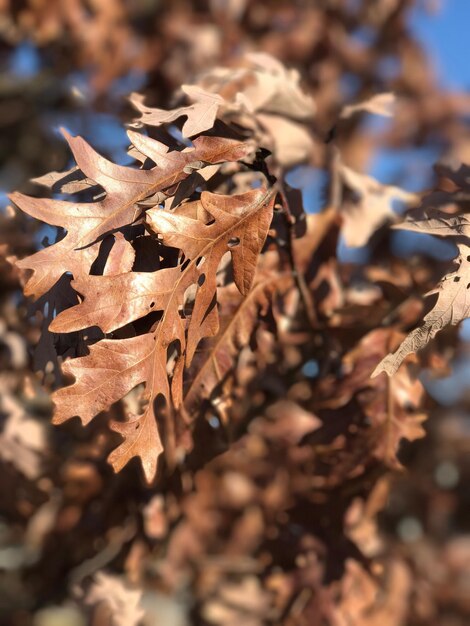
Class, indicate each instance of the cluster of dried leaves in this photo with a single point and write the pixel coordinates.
(155, 254)
(202, 327)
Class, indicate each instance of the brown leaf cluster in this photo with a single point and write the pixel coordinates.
(200, 325)
(173, 291)
(443, 215)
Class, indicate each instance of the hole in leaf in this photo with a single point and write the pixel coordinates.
(233, 242)
(152, 304)
(201, 280)
(456, 279)
(185, 264)
(133, 402)
(173, 357)
(188, 300)
(200, 261)
(159, 405)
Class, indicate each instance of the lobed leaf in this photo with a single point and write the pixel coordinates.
(236, 333)
(452, 306)
(239, 225)
(86, 223)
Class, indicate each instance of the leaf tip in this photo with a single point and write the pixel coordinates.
(378, 370)
(65, 133)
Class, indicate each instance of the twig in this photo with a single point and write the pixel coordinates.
(335, 186)
(299, 278)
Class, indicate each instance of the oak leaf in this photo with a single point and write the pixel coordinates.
(374, 207)
(235, 332)
(200, 115)
(261, 96)
(452, 306)
(239, 225)
(125, 187)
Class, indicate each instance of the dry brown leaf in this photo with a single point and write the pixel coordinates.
(374, 208)
(391, 406)
(87, 223)
(114, 367)
(452, 306)
(71, 181)
(123, 602)
(438, 223)
(262, 96)
(235, 333)
(121, 257)
(291, 141)
(201, 114)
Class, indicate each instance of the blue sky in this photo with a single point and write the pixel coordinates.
(446, 36)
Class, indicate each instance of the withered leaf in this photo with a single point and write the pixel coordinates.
(240, 226)
(121, 257)
(261, 96)
(125, 187)
(452, 306)
(104, 376)
(391, 406)
(200, 114)
(373, 209)
(440, 224)
(235, 333)
(114, 367)
(71, 181)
